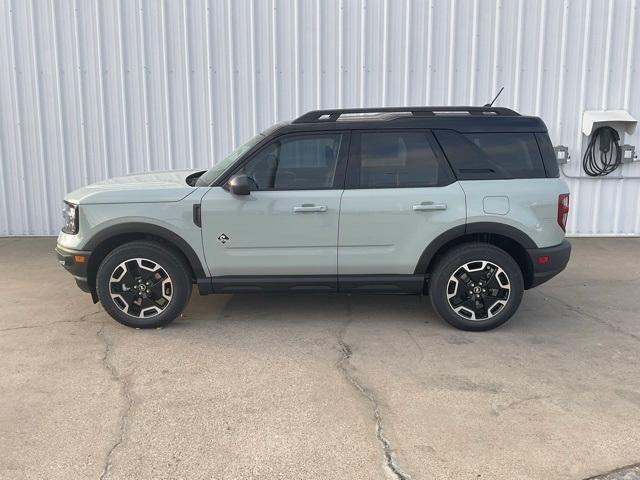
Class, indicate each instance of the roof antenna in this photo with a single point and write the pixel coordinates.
(494, 100)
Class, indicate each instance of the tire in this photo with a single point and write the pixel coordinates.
(143, 284)
(487, 297)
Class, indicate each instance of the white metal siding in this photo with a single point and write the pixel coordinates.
(90, 90)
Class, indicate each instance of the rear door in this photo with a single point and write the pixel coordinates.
(400, 195)
(288, 224)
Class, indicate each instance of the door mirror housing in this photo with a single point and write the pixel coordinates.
(239, 184)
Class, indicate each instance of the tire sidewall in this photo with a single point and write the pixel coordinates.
(174, 267)
(454, 260)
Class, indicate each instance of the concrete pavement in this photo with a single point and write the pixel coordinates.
(321, 386)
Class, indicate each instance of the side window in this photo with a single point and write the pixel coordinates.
(297, 162)
(396, 159)
(548, 155)
(486, 156)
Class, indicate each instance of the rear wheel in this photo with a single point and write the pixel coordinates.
(476, 286)
(142, 284)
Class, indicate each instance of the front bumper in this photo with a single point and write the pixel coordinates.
(76, 263)
(557, 260)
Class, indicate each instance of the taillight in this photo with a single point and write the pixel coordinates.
(563, 210)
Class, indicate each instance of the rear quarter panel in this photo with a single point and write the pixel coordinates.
(532, 206)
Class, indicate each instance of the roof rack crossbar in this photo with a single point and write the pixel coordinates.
(333, 115)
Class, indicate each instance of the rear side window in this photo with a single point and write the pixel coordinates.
(548, 155)
(396, 159)
(487, 156)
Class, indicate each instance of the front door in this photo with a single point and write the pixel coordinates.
(288, 224)
(400, 195)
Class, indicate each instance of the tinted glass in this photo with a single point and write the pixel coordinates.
(548, 155)
(297, 162)
(477, 156)
(221, 167)
(395, 159)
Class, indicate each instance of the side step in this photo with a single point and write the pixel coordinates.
(400, 284)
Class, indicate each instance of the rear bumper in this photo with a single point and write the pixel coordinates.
(558, 257)
(76, 263)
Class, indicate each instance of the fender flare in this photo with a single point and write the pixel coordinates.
(149, 229)
(512, 233)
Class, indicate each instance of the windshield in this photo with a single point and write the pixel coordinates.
(219, 168)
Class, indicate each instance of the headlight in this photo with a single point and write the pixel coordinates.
(70, 216)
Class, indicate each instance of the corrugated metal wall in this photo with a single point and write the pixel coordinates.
(90, 90)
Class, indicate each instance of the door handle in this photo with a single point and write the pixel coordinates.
(429, 206)
(310, 208)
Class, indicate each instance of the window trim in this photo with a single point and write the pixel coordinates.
(341, 165)
(352, 180)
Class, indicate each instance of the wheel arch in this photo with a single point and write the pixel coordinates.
(506, 237)
(112, 237)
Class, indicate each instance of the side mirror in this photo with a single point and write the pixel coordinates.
(239, 184)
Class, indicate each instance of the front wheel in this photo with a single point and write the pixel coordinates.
(476, 286)
(142, 284)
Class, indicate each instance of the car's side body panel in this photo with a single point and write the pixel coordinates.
(384, 231)
(531, 206)
(168, 220)
(271, 232)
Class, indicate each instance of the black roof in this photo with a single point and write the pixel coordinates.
(460, 118)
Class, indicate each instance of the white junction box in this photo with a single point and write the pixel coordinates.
(628, 153)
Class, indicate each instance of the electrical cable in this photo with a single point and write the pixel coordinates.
(609, 159)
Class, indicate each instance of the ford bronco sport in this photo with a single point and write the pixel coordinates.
(464, 204)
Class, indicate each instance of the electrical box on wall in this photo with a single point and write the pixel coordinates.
(629, 153)
(562, 154)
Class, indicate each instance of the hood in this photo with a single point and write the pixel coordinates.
(138, 188)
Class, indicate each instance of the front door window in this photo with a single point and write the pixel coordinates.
(296, 162)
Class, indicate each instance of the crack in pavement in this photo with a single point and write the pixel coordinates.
(126, 393)
(630, 472)
(497, 410)
(392, 468)
(391, 463)
(40, 325)
(602, 321)
(415, 342)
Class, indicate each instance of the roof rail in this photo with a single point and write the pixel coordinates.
(334, 114)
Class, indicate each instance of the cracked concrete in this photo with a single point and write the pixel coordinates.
(125, 409)
(630, 472)
(613, 326)
(80, 319)
(246, 386)
(391, 466)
